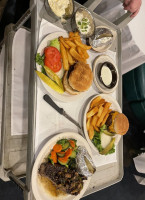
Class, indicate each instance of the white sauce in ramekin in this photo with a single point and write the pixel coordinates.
(106, 75)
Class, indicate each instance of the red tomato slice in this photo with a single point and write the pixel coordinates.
(52, 58)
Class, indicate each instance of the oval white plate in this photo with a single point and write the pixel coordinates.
(38, 190)
(65, 97)
(114, 106)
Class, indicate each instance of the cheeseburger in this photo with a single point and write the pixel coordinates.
(117, 123)
(78, 79)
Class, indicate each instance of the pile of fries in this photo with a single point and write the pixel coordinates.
(72, 49)
(97, 115)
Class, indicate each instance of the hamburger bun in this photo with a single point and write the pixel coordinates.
(78, 79)
(66, 85)
(81, 77)
(121, 124)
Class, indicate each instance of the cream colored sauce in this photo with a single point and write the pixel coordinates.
(106, 75)
(105, 140)
(59, 6)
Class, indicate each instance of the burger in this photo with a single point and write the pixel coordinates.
(78, 79)
(117, 123)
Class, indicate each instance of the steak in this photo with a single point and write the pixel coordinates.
(68, 180)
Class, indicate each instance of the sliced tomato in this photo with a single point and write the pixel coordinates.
(52, 58)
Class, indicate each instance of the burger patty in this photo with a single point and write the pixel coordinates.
(64, 178)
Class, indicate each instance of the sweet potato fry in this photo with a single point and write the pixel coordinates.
(64, 57)
(105, 110)
(64, 43)
(76, 34)
(88, 123)
(70, 44)
(72, 38)
(97, 99)
(76, 56)
(91, 132)
(70, 58)
(92, 112)
(83, 46)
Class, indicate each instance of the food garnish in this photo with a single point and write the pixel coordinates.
(52, 58)
(49, 82)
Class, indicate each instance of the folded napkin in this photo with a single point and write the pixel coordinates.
(20, 81)
(139, 162)
(48, 121)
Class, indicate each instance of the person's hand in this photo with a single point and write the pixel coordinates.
(133, 6)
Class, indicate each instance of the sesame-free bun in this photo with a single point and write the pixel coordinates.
(121, 124)
(66, 85)
(81, 77)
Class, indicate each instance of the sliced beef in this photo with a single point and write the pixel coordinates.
(64, 178)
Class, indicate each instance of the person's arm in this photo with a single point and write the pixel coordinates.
(133, 6)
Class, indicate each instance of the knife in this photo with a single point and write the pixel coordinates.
(60, 110)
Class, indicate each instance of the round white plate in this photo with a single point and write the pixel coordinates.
(65, 97)
(99, 60)
(38, 190)
(114, 106)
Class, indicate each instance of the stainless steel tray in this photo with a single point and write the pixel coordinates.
(106, 175)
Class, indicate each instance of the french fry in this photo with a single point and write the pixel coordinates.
(92, 112)
(105, 110)
(101, 102)
(70, 58)
(82, 52)
(100, 110)
(88, 123)
(72, 38)
(71, 34)
(91, 132)
(76, 34)
(104, 120)
(64, 57)
(83, 46)
(96, 128)
(64, 43)
(97, 99)
(75, 55)
(94, 120)
(70, 44)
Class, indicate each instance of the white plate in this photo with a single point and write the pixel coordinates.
(38, 190)
(114, 106)
(65, 97)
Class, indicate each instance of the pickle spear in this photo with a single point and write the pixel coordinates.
(53, 76)
(108, 133)
(49, 82)
(108, 148)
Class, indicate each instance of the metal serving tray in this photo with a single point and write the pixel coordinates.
(105, 175)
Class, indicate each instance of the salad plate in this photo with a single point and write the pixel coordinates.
(39, 190)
